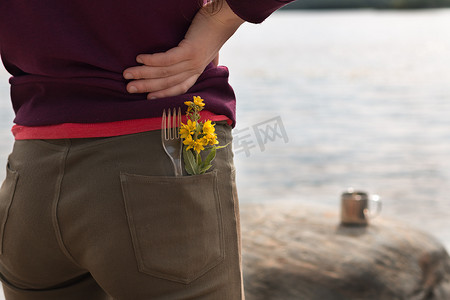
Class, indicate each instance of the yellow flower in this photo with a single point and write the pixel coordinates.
(208, 128)
(199, 145)
(198, 136)
(198, 101)
(189, 105)
(189, 142)
(211, 139)
(187, 129)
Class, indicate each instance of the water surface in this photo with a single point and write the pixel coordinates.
(365, 102)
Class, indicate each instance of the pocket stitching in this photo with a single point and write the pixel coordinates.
(125, 178)
(14, 179)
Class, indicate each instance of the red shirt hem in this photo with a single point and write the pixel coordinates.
(106, 129)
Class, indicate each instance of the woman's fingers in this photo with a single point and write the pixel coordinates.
(164, 59)
(151, 72)
(153, 85)
(175, 90)
(170, 71)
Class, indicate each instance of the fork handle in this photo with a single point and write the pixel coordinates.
(177, 167)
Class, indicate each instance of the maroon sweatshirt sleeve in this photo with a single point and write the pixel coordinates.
(256, 11)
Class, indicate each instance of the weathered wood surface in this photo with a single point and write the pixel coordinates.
(301, 252)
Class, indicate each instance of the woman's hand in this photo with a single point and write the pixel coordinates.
(175, 71)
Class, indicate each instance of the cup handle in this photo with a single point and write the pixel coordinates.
(370, 213)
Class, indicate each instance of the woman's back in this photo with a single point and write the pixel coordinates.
(67, 58)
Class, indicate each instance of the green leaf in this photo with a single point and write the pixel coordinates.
(199, 127)
(205, 168)
(220, 147)
(199, 159)
(189, 161)
(210, 157)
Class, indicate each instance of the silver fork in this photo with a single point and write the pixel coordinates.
(170, 138)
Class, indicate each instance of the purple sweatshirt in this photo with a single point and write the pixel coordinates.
(67, 57)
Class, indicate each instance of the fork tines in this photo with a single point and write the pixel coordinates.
(171, 139)
(171, 123)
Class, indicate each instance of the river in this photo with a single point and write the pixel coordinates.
(364, 99)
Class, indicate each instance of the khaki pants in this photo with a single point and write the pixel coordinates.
(105, 218)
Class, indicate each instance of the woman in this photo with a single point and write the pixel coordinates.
(90, 208)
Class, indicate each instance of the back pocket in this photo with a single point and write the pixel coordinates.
(6, 196)
(175, 224)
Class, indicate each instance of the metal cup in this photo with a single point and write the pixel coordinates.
(355, 208)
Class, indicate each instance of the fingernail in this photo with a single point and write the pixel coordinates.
(139, 60)
(132, 89)
(152, 98)
(128, 76)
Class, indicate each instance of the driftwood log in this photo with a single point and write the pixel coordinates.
(301, 252)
